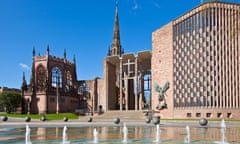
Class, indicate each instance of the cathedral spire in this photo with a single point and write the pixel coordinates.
(116, 45)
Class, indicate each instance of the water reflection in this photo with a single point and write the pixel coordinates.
(115, 135)
(41, 133)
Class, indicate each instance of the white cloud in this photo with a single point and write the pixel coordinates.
(24, 66)
(156, 4)
(136, 5)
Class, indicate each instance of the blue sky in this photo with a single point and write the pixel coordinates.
(83, 27)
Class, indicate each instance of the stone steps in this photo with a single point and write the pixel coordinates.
(123, 115)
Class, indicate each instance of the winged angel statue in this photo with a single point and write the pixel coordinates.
(161, 98)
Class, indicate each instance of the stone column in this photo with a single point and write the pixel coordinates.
(126, 93)
(120, 78)
(93, 101)
(136, 83)
(141, 90)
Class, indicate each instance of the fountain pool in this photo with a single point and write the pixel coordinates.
(112, 134)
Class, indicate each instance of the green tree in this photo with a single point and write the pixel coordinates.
(10, 100)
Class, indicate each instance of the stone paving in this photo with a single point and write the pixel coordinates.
(131, 118)
(83, 122)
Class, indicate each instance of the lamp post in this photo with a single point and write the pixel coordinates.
(28, 106)
(91, 96)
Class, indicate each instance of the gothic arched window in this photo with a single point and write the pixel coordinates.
(69, 80)
(84, 91)
(41, 78)
(56, 77)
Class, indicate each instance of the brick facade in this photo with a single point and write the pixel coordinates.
(199, 54)
(162, 67)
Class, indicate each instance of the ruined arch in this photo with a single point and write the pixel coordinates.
(68, 81)
(41, 78)
(57, 77)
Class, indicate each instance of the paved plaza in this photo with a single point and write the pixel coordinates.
(83, 122)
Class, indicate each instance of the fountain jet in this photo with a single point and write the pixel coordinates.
(27, 136)
(157, 139)
(64, 136)
(223, 128)
(125, 132)
(187, 138)
(95, 136)
(223, 125)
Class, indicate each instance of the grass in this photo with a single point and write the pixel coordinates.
(59, 116)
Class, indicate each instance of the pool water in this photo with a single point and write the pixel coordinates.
(109, 135)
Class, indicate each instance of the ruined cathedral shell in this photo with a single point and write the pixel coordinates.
(53, 86)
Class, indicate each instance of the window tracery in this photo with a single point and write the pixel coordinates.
(69, 81)
(41, 78)
(56, 77)
(84, 91)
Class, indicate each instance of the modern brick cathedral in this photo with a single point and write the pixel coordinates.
(199, 54)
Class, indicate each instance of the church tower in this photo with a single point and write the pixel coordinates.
(116, 48)
(124, 75)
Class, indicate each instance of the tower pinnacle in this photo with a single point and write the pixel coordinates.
(116, 44)
(33, 52)
(24, 83)
(65, 54)
(48, 50)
